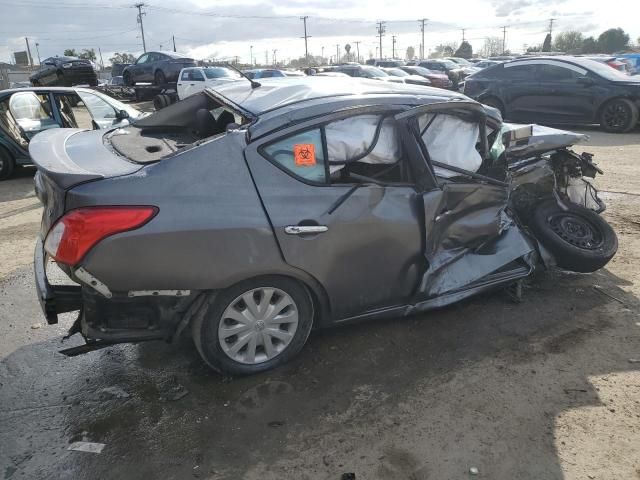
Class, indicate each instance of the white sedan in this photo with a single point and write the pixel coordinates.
(195, 79)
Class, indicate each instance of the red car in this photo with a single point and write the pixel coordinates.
(437, 79)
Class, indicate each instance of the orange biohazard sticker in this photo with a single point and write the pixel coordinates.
(304, 154)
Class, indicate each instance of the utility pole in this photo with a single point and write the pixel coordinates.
(376, 51)
(273, 58)
(422, 22)
(322, 55)
(266, 58)
(551, 20)
(306, 50)
(504, 39)
(381, 30)
(393, 46)
(29, 51)
(358, 50)
(337, 53)
(463, 30)
(101, 61)
(173, 37)
(250, 54)
(140, 14)
(38, 50)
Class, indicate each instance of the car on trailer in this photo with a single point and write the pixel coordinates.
(158, 68)
(64, 72)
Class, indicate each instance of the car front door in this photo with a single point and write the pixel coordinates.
(568, 94)
(195, 84)
(102, 113)
(140, 69)
(33, 112)
(343, 207)
(471, 243)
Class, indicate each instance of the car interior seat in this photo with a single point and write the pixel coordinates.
(206, 125)
(224, 119)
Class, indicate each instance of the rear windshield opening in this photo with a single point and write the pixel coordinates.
(173, 128)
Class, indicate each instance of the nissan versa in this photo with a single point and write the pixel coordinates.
(253, 213)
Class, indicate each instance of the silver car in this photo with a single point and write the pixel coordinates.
(251, 214)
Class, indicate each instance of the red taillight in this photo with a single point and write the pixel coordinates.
(79, 230)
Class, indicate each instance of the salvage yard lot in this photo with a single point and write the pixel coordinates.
(545, 389)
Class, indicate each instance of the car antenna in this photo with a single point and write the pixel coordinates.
(253, 83)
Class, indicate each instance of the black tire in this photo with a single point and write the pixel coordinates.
(126, 79)
(159, 102)
(7, 164)
(579, 239)
(159, 78)
(618, 116)
(495, 103)
(204, 328)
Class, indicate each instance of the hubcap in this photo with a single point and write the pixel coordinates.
(576, 230)
(258, 325)
(616, 115)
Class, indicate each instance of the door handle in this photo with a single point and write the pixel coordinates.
(305, 229)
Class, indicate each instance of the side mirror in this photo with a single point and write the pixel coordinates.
(122, 114)
(585, 81)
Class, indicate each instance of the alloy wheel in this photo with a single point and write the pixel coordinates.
(616, 115)
(258, 325)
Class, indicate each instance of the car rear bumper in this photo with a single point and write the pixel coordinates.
(54, 299)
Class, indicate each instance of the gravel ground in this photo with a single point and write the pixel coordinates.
(545, 389)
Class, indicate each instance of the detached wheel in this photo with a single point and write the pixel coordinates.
(7, 164)
(254, 326)
(618, 116)
(580, 239)
(159, 78)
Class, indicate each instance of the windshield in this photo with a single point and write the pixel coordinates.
(373, 72)
(449, 64)
(422, 71)
(396, 72)
(219, 72)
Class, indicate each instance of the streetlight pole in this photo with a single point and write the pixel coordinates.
(251, 55)
(38, 51)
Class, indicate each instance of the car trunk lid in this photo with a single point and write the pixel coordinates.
(68, 157)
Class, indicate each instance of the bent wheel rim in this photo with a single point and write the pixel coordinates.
(616, 115)
(576, 230)
(258, 325)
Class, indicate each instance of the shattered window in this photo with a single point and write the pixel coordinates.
(300, 154)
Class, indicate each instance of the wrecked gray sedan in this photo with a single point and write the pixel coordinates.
(251, 214)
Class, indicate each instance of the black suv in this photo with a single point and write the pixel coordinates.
(560, 89)
(64, 72)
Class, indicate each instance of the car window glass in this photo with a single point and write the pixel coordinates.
(73, 111)
(517, 72)
(301, 154)
(553, 73)
(197, 76)
(30, 106)
(450, 140)
(186, 75)
(98, 107)
(143, 59)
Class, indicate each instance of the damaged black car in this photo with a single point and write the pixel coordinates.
(254, 213)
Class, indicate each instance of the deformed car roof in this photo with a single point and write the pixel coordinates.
(277, 102)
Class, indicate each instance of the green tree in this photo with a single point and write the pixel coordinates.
(589, 45)
(492, 47)
(411, 52)
(546, 45)
(443, 50)
(569, 42)
(613, 40)
(534, 49)
(465, 50)
(70, 52)
(122, 58)
(88, 54)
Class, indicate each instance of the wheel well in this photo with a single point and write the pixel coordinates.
(7, 151)
(619, 97)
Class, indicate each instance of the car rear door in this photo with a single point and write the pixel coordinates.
(358, 236)
(471, 242)
(519, 90)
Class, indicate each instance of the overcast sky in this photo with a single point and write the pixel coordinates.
(222, 28)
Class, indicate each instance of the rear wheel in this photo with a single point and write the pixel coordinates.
(618, 116)
(7, 164)
(159, 78)
(580, 239)
(495, 103)
(254, 326)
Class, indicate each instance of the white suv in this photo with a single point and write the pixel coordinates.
(195, 79)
